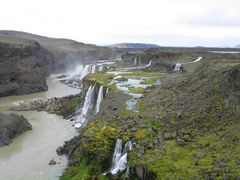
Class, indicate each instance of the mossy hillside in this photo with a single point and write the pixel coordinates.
(201, 141)
(137, 90)
(187, 128)
(86, 169)
(69, 106)
(95, 152)
(98, 140)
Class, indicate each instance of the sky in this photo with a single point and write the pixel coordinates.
(212, 23)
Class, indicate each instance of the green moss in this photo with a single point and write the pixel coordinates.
(103, 79)
(99, 140)
(149, 81)
(70, 105)
(125, 113)
(140, 134)
(140, 104)
(86, 169)
(154, 123)
(137, 90)
(144, 133)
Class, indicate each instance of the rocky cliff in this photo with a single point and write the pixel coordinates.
(188, 128)
(160, 60)
(67, 53)
(24, 66)
(11, 126)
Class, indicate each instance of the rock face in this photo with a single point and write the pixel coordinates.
(67, 53)
(157, 59)
(24, 66)
(11, 126)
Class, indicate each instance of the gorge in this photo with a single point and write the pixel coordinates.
(112, 113)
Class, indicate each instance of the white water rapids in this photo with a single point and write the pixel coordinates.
(99, 99)
(87, 106)
(119, 160)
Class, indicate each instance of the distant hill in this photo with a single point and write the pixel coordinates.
(238, 46)
(66, 52)
(134, 45)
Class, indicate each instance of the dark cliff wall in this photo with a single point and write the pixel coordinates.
(12, 126)
(161, 60)
(67, 53)
(24, 66)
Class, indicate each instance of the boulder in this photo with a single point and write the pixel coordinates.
(11, 126)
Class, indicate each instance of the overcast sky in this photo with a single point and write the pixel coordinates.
(163, 22)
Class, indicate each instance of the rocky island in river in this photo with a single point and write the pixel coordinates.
(119, 113)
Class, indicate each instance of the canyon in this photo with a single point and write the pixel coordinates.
(157, 113)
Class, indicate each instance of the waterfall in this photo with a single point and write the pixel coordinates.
(86, 71)
(88, 103)
(196, 60)
(100, 68)
(77, 72)
(149, 64)
(135, 61)
(93, 68)
(121, 165)
(117, 152)
(107, 91)
(119, 161)
(177, 67)
(99, 99)
(128, 147)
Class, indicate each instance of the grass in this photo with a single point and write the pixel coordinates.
(137, 90)
(103, 79)
(149, 81)
(125, 113)
(86, 169)
(70, 105)
(99, 140)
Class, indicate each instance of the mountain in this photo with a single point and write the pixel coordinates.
(134, 45)
(27, 59)
(66, 53)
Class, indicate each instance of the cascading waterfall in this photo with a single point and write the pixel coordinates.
(99, 99)
(88, 69)
(149, 64)
(177, 67)
(100, 68)
(77, 73)
(119, 161)
(93, 68)
(85, 72)
(88, 104)
(196, 60)
(135, 61)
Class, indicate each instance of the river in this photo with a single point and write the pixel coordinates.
(27, 157)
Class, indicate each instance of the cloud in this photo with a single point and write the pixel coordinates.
(165, 22)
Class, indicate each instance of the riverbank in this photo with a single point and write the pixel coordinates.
(27, 157)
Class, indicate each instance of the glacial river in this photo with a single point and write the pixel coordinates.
(27, 157)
